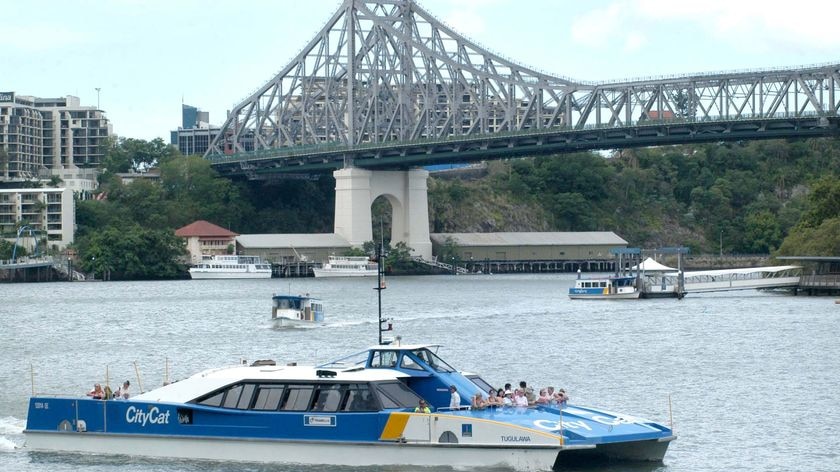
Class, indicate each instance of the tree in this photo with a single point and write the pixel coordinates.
(129, 154)
(824, 240)
(133, 253)
(823, 202)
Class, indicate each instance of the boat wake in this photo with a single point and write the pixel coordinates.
(11, 427)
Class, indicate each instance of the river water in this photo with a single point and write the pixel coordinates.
(752, 377)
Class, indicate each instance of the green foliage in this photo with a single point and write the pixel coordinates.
(129, 154)
(399, 258)
(823, 240)
(753, 193)
(823, 202)
(449, 253)
(6, 249)
(355, 251)
(133, 253)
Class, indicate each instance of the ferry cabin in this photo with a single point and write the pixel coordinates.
(297, 309)
(617, 287)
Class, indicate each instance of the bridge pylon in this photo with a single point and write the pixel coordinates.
(406, 191)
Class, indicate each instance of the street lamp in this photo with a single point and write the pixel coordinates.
(97, 97)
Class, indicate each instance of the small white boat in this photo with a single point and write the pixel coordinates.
(347, 266)
(296, 310)
(231, 267)
(605, 288)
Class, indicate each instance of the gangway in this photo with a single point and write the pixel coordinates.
(748, 278)
(441, 265)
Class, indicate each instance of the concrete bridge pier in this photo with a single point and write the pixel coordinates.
(406, 191)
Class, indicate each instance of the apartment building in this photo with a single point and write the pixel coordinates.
(50, 212)
(41, 137)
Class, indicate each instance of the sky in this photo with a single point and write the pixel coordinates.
(146, 57)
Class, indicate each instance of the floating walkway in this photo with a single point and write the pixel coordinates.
(667, 284)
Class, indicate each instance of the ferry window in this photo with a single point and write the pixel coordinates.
(297, 398)
(399, 393)
(245, 398)
(327, 398)
(603, 284)
(384, 359)
(434, 361)
(268, 397)
(409, 363)
(215, 400)
(232, 397)
(360, 398)
(482, 384)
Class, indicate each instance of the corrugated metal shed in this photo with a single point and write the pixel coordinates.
(325, 240)
(570, 238)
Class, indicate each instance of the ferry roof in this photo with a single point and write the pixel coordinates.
(212, 379)
(742, 271)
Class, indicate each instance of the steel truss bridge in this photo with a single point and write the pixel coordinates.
(385, 85)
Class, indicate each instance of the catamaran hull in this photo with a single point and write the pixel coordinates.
(312, 453)
(230, 275)
(612, 296)
(340, 273)
(294, 323)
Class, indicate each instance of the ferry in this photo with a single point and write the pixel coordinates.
(361, 410)
(605, 288)
(231, 267)
(296, 310)
(347, 266)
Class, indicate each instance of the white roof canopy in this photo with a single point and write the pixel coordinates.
(650, 265)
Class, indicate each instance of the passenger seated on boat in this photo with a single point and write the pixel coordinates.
(422, 407)
(561, 398)
(528, 392)
(543, 399)
(519, 398)
(97, 393)
(122, 392)
(494, 399)
(478, 402)
(507, 399)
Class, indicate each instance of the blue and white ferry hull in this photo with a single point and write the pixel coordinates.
(358, 414)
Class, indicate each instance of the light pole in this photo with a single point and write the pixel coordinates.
(97, 97)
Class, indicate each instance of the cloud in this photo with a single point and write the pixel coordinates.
(743, 25)
(466, 16)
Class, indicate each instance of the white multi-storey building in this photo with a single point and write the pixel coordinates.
(48, 212)
(41, 137)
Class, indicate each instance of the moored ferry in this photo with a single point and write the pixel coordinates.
(347, 266)
(231, 267)
(605, 288)
(357, 411)
(296, 310)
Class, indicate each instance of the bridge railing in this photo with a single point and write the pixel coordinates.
(820, 281)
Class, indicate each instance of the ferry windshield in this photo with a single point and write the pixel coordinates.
(287, 303)
(433, 360)
(396, 395)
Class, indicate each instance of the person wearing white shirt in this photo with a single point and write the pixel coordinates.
(454, 399)
(123, 392)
